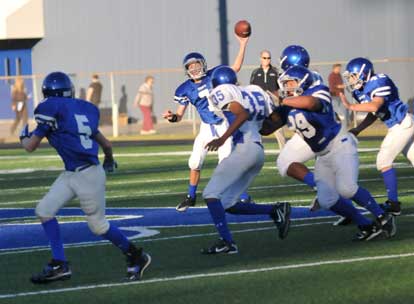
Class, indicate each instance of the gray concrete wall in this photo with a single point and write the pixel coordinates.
(108, 35)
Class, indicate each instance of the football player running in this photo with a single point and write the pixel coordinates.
(377, 94)
(195, 91)
(245, 108)
(71, 127)
(296, 151)
(308, 111)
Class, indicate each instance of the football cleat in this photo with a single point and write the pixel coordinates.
(390, 227)
(54, 271)
(221, 246)
(343, 221)
(185, 204)
(246, 200)
(368, 232)
(387, 222)
(392, 207)
(137, 262)
(281, 217)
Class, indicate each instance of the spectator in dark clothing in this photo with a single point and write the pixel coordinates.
(266, 77)
(94, 92)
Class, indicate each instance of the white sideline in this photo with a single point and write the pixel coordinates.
(213, 274)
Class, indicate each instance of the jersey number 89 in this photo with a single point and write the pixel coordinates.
(298, 122)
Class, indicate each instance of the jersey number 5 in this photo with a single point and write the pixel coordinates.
(84, 130)
(299, 122)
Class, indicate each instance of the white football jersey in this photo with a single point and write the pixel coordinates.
(256, 102)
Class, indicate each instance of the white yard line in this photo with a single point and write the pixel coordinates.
(172, 153)
(213, 274)
(147, 193)
(11, 251)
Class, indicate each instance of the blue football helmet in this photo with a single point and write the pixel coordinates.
(317, 78)
(294, 55)
(223, 75)
(303, 77)
(358, 71)
(195, 73)
(57, 84)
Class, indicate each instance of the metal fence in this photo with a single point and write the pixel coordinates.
(120, 89)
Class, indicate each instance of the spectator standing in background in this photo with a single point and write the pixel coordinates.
(19, 104)
(266, 77)
(145, 101)
(336, 86)
(94, 92)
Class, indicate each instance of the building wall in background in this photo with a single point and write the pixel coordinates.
(106, 35)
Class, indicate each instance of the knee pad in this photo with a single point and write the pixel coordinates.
(195, 162)
(207, 193)
(42, 211)
(383, 161)
(283, 164)
(347, 191)
(98, 226)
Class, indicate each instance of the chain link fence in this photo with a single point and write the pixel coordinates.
(119, 117)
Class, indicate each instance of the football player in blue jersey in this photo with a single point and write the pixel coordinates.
(71, 127)
(297, 151)
(378, 95)
(195, 91)
(245, 108)
(308, 111)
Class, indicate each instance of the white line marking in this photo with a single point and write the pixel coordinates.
(213, 274)
(136, 155)
(138, 194)
(10, 251)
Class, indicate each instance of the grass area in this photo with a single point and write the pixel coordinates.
(317, 263)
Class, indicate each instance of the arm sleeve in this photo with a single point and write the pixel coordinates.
(323, 96)
(180, 96)
(45, 116)
(383, 87)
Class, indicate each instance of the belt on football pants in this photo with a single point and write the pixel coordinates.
(81, 168)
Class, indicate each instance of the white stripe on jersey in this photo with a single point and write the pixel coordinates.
(181, 99)
(48, 120)
(322, 95)
(381, 91)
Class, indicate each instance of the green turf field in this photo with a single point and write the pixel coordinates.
(317, 263)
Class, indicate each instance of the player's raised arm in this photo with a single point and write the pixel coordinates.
(238, 62)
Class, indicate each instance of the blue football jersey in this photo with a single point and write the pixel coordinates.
(197, 94)
(70, 126)
(316, 128)
(393, 109)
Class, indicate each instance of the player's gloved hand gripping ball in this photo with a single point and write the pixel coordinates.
(109, 165)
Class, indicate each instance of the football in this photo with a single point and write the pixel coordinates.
(243, 29)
